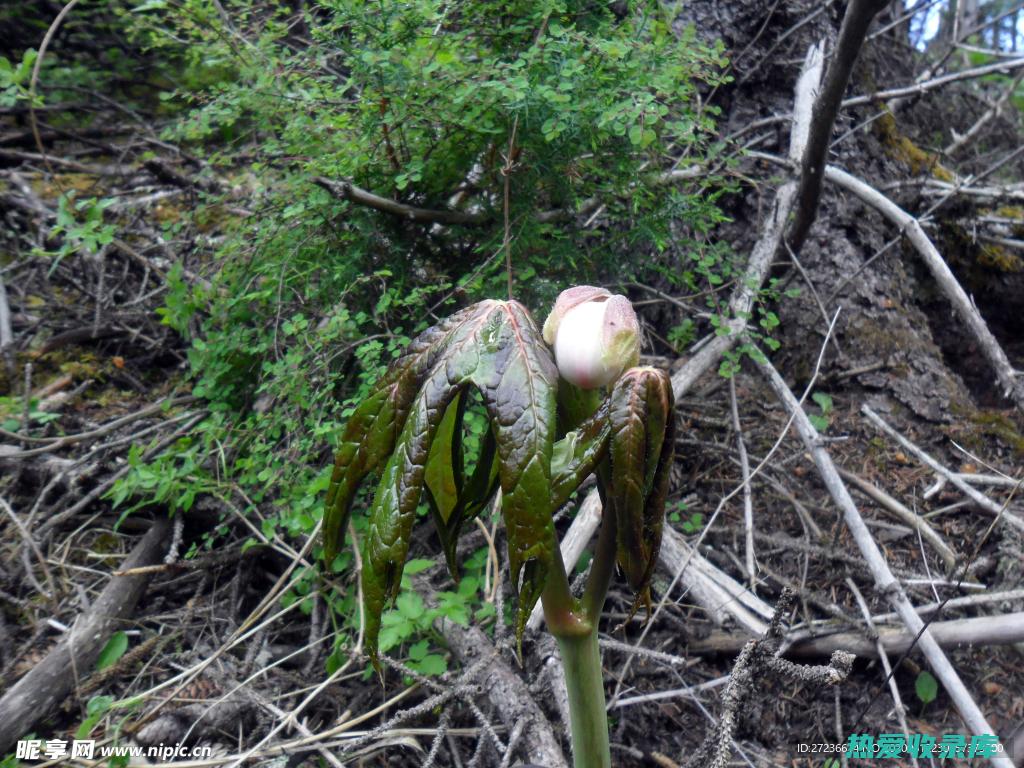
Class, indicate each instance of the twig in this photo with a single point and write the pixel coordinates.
(759, 659)
(887, 502)
(1004, 629)
(770, 241)
(1004, 67)
(858, 17)
(61, 442)
(748, 502)
(34, 81)
(348, 191)
(27, 536)
(885, 582)
(894, 689)
(49, 682)
(506, 172)
(960, 141)
(6, 335)
(978, 498)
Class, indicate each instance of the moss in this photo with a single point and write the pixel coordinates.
(980, 426)
(901, 148)
(996, 256)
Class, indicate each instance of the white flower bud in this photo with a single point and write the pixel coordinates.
(595, 335)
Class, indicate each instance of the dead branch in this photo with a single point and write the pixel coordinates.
(911, 227)
(1004, 629)
(770, 241)
(983, 501)
(509, 695)
(887, 502)
(885, 581)
(48, 683)
(759, 659)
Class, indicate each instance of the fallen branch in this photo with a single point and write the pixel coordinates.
(983, 501)
(885, 581)
(771, 239)
(917, 522)
(1006, 629)
(509, 695)
(47, 684)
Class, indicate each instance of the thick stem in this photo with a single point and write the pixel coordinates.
(584, 680)
(574, 624)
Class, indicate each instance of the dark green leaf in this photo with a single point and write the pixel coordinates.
(370, 434)
(518, 380)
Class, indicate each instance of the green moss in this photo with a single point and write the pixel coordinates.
(980, 426)
(901, 148)
(996, 256)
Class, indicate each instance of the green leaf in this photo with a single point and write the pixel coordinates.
(443, 475)
(518, 380)
(577, 455)
(417, 566)
(820, 423)
(824, 401)
(95, 709)
(430, 665)
(926, 686)
(112, 651)
(455, 359)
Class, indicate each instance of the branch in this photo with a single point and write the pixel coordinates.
(348, 191)
(885, 581)
(1001, 67)
(770, 241)
(911, 227)
(996, 510)
(1005, 629)
(859, 15)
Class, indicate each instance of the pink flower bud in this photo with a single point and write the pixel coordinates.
(595, 335)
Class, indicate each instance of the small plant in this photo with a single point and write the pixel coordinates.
(549, 428)
(926, 687)
(821, 421)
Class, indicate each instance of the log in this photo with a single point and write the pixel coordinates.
(509, 694)
(50, 682)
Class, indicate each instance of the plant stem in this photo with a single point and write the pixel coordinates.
(574, 624)
(584, 680)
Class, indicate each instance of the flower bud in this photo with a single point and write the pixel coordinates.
(595, 335)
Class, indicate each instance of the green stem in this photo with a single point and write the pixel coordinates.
(585, 681)
(574, 624)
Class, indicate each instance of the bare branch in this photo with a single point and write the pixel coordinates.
(348, 191)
